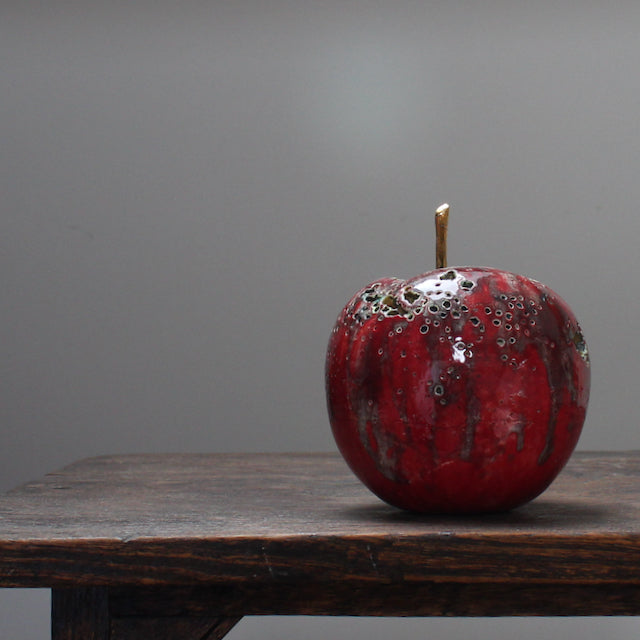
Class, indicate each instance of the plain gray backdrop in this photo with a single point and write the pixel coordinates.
(191, 190)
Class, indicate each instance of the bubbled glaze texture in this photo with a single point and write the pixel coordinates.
(463, 390)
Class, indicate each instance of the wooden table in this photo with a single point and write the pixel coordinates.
(183, 546)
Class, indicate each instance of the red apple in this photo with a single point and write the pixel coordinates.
(462, 390)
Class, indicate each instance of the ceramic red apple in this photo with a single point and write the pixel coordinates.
(462, 390)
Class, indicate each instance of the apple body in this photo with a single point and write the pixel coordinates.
(463, 390)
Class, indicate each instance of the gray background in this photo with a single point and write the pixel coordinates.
(191, 190)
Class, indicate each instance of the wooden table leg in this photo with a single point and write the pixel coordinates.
(79, 614)
(83, 613)
(171, 628)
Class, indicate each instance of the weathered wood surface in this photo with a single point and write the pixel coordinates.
(296, 521)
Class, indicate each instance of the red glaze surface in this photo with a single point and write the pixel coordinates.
(462, 390)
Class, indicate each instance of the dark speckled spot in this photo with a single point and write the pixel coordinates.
(411, 296)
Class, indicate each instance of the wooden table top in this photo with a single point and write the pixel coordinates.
(206, 519)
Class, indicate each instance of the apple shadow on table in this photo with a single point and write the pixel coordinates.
(540, 514)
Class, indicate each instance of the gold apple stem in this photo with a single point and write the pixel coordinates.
(442, 223)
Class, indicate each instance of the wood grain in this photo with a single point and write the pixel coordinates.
(292, 520)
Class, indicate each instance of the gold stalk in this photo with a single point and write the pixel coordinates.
(442, 223)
